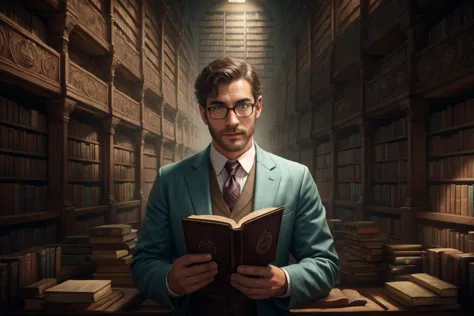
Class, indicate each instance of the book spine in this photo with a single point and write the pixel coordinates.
(407, 260)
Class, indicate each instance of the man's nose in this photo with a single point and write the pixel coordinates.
(232, 118)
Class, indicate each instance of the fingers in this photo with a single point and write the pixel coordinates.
(253, 293)
(188, 260)
(250, 282)
(264, 272)
(198, 269)
(206, 276)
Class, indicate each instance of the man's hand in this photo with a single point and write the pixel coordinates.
(191, 273)
(260, 282)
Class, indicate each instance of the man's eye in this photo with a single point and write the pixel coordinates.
(218, 108)
(243, 105)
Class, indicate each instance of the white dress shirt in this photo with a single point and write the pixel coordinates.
(246, 160)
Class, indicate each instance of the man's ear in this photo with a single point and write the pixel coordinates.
(203, 114)
(258, 107)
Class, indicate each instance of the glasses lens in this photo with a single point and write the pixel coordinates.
(244, 109)
(218, 112)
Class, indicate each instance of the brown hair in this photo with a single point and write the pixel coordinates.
(225, 70)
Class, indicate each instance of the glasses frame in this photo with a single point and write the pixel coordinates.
(227, 111)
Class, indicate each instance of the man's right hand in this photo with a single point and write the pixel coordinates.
(190, 273)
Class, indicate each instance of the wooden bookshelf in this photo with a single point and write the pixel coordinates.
(23, 161)
(85, 164)
(450, 157)
(348, 166)
(150, 165)
(124, 170)
(389, 171)
(323, 170)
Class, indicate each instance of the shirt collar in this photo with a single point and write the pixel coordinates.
(218, 160)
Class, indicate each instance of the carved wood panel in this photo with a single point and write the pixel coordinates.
(347, 107)
(439, 63)
(88, 88)
(90, 19)
(28, 58)
(179, 134)
(152, 121)
(152, 77)
(127, 54)
(168, 130)
(126, 108)
(387, 86)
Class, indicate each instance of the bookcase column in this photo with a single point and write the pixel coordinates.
(140, 173)
(417, 195)
(111, 125)
(364, 131)
(58, 115)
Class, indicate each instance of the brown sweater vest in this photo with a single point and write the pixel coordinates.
(237, 304)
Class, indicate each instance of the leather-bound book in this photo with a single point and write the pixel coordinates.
(414, 294)
(78, 291)
(251, 241)
(38, 288)
(110, 230)
(434, 284)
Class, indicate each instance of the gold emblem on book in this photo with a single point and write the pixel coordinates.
(207, 246)
(264, 242)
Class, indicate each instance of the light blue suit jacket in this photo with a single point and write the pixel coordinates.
(183, 188)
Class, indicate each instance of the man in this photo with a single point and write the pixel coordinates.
(232, 177)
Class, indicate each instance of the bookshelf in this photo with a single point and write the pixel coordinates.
(150, 164)
(324, 171)
(85, 165)
(348, 167)
(450, 174)
(390, 163)
(124, 174)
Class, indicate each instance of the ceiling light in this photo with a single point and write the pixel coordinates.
(237, 1)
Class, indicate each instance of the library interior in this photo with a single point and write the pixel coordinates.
(374, 97)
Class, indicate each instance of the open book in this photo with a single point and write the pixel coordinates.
(251, 241)
(336, 298)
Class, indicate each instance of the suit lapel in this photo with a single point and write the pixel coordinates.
(267, 180)
(198, 185)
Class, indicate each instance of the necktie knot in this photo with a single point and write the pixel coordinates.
(231, 167)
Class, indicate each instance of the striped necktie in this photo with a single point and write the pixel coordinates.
(231, 190)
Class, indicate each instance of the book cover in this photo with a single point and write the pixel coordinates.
(251, 241)
(434, 284)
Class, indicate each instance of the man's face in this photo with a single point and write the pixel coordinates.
(233, 133)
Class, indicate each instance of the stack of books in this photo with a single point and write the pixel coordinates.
(402, 260)
(112, 248)
(336, 226)
(362, 257)
(33, 294)
(80, 295)
(76, 250)
(423, 292)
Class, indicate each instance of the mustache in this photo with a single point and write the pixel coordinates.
(232, 131)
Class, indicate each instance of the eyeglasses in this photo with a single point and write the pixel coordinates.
(219, 112)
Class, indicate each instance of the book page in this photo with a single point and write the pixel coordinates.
(215, 218)
(256, 214)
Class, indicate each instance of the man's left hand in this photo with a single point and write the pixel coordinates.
(260, 282)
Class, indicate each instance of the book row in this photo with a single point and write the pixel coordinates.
(78, 171)
(390, 171)
(395, 129)
(82, 130)
(349, 173)
(124, 141)
(323, 148)
(323, 175)
(456, 19)
(352, 156)
(150, 162)
(451, 115)
(455, 199)
(26, 237)
(451, 143)
(25, 115)
(21, 140)
(23, 167)
(348, 191)
(26, 19)
(81, 150)
(451, 168)
(124, 156)
(389, 151)
(124, 191)
(16, 198)
(124, 173)
(389, 195)
(128, 216)
(443, 237)
(84, 195)
(390, 225)
(349, 141)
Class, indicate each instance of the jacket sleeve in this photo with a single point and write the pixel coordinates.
(155, 249)
(317, 264)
